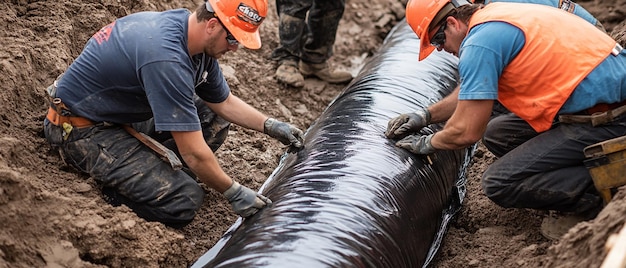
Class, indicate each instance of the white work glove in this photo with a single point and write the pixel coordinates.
(245, 201)
(417, 144)
(284, 132)
(406, 124)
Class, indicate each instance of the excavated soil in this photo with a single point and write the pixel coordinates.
(51, 216)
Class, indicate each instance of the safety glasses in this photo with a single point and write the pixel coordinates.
(229, 37)
(440, 37)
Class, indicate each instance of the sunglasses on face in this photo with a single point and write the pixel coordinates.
(440, 37)
(229, 37)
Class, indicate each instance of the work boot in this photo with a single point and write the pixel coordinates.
(556, 224)
(288, 73)
(322, 71)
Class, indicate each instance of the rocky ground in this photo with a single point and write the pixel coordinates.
(51, 216)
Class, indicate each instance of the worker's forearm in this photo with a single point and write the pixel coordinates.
(443, 110)
(209, 171)
(246, 116)
(451, 140)
(236, 111)
(465, 127)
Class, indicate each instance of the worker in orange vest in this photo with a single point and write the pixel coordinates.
(551, 70)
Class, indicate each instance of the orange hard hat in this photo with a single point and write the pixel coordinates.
(423, 15)
(242, 18)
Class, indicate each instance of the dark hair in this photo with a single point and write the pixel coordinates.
(203, 14)
(465, 12)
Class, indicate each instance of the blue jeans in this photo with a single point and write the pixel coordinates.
(130, 173)
(543, 170)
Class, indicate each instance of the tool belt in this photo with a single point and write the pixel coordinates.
(70, 122)
(598, 115)
(59, 115)
(55, 117)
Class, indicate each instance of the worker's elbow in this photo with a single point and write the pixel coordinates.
(190, 159)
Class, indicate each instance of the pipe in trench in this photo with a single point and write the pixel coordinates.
(351, 198)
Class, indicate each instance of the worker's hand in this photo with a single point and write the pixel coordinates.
(245, 201)
(285, 133)
(406, 124)
(417, 144)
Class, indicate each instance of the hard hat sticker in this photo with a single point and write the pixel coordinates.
(249, 15)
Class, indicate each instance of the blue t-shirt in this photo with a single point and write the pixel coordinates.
(489, 47)
(138, 67)
(567, 4)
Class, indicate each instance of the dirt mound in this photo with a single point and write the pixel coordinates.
(52, 216)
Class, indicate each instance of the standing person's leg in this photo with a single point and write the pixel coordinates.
(130, 173)
(322, 23)
(291, 29)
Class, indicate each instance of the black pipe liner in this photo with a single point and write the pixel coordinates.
(351, 198)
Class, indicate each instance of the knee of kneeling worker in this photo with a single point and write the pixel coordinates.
(496, 191)
(182, 208)
(492, 140)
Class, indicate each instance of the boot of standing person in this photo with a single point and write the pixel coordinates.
(288, 73)
(324, 72)
(307, 31)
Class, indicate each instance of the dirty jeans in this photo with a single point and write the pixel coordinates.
(543, 170)
(308, 38)
(132, 174)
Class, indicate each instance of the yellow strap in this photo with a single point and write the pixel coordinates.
(67, 128)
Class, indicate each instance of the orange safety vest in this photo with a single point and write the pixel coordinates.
(561, 49)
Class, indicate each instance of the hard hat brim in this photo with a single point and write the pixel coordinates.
(250, 40)
(425, 48)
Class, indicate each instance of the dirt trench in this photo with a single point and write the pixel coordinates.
(52, 216)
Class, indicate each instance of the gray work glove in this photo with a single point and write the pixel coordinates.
(285, 133)
(245, 201)
(406, 124)
(417, 144)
